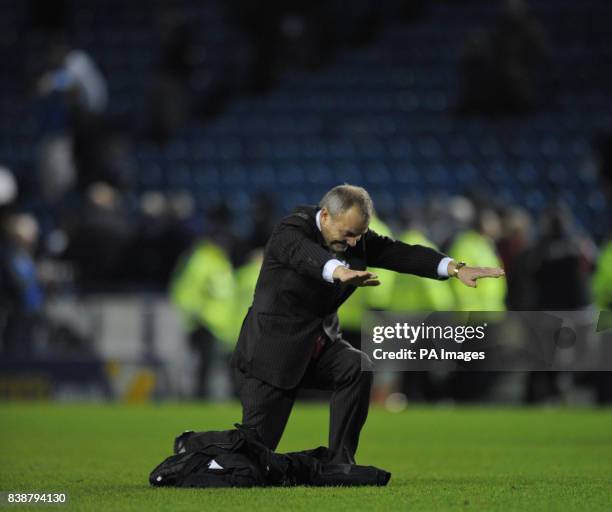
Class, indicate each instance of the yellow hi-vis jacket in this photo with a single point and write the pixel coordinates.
(246, 279)
(203, 288)
(413, 293)
(477, 250)
(602, 279)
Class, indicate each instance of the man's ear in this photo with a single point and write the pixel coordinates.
(324, 214)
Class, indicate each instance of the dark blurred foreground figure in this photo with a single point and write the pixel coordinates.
(290, 338)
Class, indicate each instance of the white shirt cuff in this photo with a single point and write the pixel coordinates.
(443, 266)
(328, 269)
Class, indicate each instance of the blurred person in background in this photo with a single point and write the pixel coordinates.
(602, 277)
(76, 147)
(169, 95)
(103, 154)
(560, 250)
(248, 253)
(501, 67)
(147, 249)
(220, 226)
(413, 294)
(602, 294)
(183, 227)
(21, 294)
(165, 229)
(56, 168)
(99, 236)
(263, 213)
(203, 288)
(281, 34)
(475, 240)
(57, 172)
(299, 35)
(74, 72)
(514, 249)
(261, 218)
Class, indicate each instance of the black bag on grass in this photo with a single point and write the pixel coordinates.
(238, 458)
(197, 469)
(314, 467)
(243, 440)
(225, 458)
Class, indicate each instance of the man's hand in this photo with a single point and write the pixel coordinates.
(355, 277)
(469, 275)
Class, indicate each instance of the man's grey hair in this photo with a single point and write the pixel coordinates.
(343, 197)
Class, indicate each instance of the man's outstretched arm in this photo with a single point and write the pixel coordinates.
(385, 252)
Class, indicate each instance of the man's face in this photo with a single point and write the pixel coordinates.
(343, 230)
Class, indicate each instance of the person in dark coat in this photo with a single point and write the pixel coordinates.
(290, 338)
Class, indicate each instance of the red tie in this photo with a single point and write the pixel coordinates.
(318, 346)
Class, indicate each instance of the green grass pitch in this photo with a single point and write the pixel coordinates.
(441, 458)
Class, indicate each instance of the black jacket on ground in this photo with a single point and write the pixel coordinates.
(292, 300)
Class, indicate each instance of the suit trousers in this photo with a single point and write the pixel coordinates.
(338, 368)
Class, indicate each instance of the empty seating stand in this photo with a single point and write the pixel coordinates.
(378, 115)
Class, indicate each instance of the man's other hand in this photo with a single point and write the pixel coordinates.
(355, 277)
(469, 275)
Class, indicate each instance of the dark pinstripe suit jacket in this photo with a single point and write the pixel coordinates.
(292, 299)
